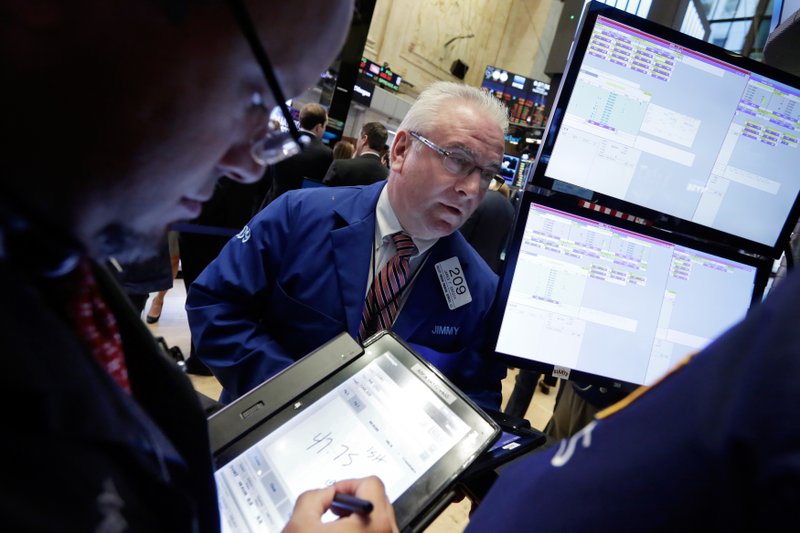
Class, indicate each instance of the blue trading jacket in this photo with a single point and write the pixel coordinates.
(714, 446)
(296, 276)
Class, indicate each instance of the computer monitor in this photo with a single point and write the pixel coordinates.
(523, 172)
(676, 129)
(595, 298)
(509, 168)
(363, 91)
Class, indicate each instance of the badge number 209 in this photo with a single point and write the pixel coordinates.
(454, 284)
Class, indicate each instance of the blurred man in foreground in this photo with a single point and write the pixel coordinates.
(118, 118)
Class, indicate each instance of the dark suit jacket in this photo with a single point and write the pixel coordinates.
(362, 170)
(311, 163)
(488, 228)
(142, 458)
(231, 206)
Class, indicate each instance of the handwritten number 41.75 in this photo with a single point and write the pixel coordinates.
(340, 451)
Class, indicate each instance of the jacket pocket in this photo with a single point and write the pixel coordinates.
(298, 326)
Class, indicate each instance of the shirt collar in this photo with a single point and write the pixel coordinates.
(386, 225)
(310, 133)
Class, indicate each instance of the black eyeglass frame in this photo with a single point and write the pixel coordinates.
(245, 23)
(444, 153)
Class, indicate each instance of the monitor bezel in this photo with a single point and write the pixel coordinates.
(670, 223)
(572, 205)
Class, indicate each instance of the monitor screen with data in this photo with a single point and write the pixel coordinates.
(586, 299)
(665, 122)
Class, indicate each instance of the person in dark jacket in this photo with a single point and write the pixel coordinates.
(366, 167)
(311, 163)
(109, 434)
(489, 226)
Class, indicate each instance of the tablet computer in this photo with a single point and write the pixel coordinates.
(345, 412)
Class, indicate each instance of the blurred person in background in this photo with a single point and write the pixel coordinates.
(343, 150)
(366, 166)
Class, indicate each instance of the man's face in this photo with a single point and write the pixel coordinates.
(361, 143)
(429, 201)
(181, 116)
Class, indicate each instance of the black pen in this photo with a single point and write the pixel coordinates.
(351, 504)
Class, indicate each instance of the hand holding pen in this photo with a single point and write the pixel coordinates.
(362, 505)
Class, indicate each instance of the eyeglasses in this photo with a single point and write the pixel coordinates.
(276, 145)
(457, 163)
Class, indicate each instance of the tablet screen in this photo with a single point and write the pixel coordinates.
(385, 419)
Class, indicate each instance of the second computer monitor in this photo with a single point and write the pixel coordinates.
(586, 299)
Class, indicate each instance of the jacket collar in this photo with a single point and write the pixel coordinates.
(360, 206)
(352, 247)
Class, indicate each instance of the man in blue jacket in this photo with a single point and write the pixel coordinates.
(300, 272)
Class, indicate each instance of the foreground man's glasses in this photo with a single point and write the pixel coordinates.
(277, 144)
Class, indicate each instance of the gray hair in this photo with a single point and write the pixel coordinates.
(425, 114)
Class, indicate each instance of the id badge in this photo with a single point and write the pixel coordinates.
(453, 282)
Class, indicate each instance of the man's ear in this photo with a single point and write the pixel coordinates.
(401, 148)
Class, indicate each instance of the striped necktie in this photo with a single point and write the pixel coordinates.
(94, 322)
(383, 298)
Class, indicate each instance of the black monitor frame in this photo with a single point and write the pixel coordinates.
(669, 223)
